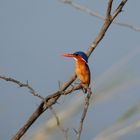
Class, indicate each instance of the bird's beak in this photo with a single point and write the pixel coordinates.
(68, 55)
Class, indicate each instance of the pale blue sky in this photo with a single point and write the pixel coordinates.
(34, 34)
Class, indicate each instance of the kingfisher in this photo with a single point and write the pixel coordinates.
(81, 68)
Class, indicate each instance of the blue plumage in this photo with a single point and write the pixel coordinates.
(82, 54)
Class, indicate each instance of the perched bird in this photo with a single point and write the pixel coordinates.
(81, 68)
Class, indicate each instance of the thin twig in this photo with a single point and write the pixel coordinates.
(105, 27)
(64, 131)
(108, 13)
(97, 15)
(21, 84)
(87, 98)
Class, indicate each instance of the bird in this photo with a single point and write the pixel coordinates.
(81, 68)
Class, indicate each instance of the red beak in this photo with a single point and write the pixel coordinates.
(68, 55)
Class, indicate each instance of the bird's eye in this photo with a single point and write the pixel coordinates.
(76, 54)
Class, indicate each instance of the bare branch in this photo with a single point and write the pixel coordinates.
(64, 131)
(97, 15)
(105, 27)
(44, 105)
(83, 8)
(128, 25)
(119, 8)
(89, 93)
(108, 13)
(20, 84)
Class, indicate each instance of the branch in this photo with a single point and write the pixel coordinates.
(44, 105)
(52, 99)
(97, 15)
(108, 13)
(20, 84)
(89, 93)
(104, 28)
(64, 131)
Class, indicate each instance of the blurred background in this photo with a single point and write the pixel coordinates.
(34, 34)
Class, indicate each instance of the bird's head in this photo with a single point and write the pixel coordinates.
(78, 56)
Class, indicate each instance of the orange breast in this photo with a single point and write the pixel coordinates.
(83, 72)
